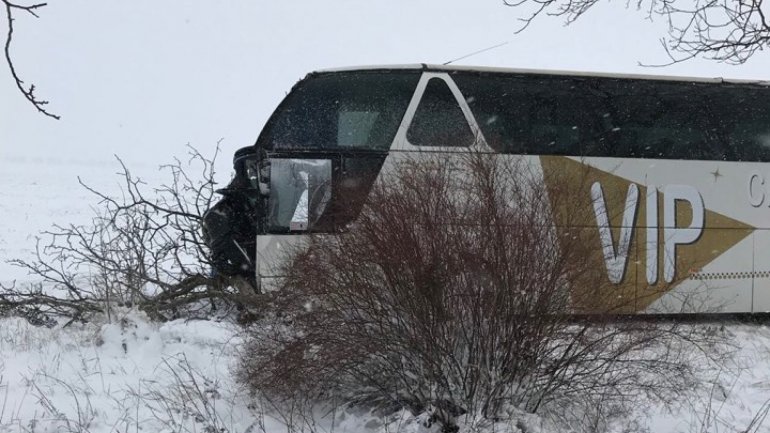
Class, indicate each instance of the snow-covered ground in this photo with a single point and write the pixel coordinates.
(120, 375)
(129, 374)
(730, 397)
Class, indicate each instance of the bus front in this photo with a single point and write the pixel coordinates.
(319, 154)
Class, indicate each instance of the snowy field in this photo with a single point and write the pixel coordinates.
(38, 192)
(127, 375)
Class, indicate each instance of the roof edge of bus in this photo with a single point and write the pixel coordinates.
(493, 69)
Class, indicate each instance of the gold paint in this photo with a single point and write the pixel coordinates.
(568, 183)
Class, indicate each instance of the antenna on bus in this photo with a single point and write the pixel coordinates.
(477, 52)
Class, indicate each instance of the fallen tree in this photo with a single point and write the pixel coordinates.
(143, 249)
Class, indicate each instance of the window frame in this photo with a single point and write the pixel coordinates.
(401, 143)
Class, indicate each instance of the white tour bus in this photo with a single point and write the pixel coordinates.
(662, 145)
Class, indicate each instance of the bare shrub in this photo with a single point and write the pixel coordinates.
(3, 394)
(465, 287)
(144, 248)
(190, 402)
(709, 408)
(759, 418)
(76, 415)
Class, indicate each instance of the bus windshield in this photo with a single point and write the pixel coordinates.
(341, 111)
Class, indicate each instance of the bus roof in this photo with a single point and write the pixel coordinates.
(452, 68)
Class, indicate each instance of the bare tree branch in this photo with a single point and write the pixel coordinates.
(730, 31)
(28, 92)
(143, 249)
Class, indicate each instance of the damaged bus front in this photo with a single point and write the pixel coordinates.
(311, 167)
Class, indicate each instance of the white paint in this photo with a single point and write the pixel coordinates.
(756, 187)
(615, 260)
(299, 220)
(652, 235)
(673, 235)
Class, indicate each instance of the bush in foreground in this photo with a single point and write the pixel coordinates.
(451, 296)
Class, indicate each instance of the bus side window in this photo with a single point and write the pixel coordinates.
(439, 120)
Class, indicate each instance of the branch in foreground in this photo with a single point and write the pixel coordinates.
(28, 92)
(722, 30)
(143, 248)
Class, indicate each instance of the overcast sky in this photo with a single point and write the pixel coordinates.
(142, 78)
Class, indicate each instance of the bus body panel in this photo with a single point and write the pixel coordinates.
(725, 269)
(761, 265)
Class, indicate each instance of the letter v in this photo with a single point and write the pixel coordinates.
(615, 260)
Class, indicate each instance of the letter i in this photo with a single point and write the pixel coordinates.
(652, 235)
